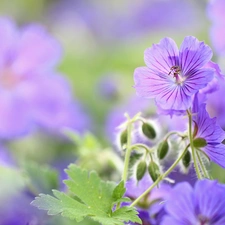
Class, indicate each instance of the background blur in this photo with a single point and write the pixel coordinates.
(102, 42)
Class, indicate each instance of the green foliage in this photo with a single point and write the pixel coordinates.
(92, 197)
(40, 178)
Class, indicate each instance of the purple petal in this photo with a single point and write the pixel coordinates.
(216, 153)
(167, 220)
(181, 205)
(197, 81)
(36, 50)
(168, 94)
(15, 119)
(207, 127)
(9, 35)
(173, 98)
(218, 77)
(149, 84)
(210, 205)
(54, 108)
(193, 55)
(161, 57)
(217, 33)
(215, 10)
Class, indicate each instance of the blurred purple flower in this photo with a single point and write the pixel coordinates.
(108, 87)
(31, 93)
(173, 76)
(5, 157)
(215, 12)
(206, 129)
(18, 211)
(216, 103)
(150, 214)
(203, 204)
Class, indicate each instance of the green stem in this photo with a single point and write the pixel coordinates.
(202, 166)
(139, 145)
(171, 133)
(192, 145)
(160, 177)
(128, 151)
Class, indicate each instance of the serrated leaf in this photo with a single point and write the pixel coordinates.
(93, 198)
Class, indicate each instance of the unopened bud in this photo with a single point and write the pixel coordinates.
(199, 142)
(141, 169)
(148, 130)
(186, 160)
(162, 149)
(153, 170)
(123, 138)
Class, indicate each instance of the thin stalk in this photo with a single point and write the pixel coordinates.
(192, 145)
(202, 166)
(128, 150)
(161, 177)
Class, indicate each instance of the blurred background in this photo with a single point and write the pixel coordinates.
(81, 56)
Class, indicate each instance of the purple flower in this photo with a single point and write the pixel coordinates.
(216, 105)
(31, 93)
(173, 76)
(150, 208)
(204, 204)
(209, 134)
(215, 12)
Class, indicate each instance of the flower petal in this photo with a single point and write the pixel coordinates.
(161, 57)
(216, 153)
(149, 84)
(197, 80)
(210, 205)
(169, 220)
(8, 34)
(180, 201)
(44, 54)
(193, 55)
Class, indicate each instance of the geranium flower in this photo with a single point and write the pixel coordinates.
(150, 209)
(32, 94)
(208, 135)
(204, 204)
(173, 76)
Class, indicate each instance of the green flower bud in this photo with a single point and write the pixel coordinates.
(141, 169)
(123, 138)
(199, 142)
(153, 170)
(186, 160)
(162, 149)
(148, 130)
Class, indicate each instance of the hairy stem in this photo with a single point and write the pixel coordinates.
(192, 145)
(161, 177)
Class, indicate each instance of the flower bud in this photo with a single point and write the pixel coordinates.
(141, 169)
(162, 149)
(199, 142)
(123, 138)
(148, 130)
(153, 170)
(186, 160)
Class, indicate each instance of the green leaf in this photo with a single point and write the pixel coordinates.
(119, 191)
(41, 178)
(93, 198)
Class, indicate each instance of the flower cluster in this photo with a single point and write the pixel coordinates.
(181, 81)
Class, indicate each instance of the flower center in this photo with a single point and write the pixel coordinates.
(8, 79)
(176, 72)
(203, 220)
